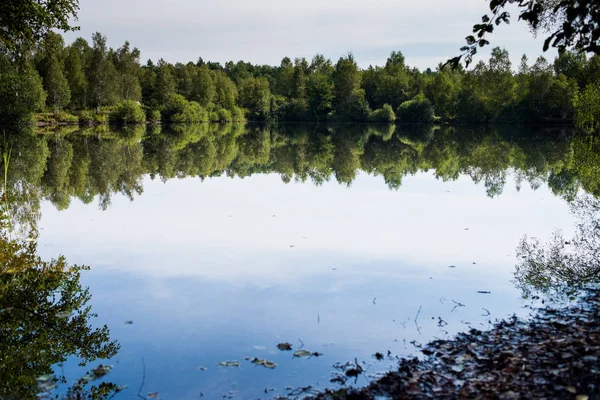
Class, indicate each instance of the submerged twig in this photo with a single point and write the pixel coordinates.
(417, 317)
(143, 379)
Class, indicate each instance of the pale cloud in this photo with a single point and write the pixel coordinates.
(265, 31)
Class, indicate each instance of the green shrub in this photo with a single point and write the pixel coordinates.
(45, 117)
(383, 114)
(100, 118)
(417, 110)
(65, 117)
(153, 115)
(86, 118)
(237, 115)
(297, 110)
(179, 110)
(213, 116)
(127, 112)
(224, 115)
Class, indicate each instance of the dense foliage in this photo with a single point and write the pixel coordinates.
(95, 163)
(23, 22)
(92, 81)
(568, 24)
(46, 318)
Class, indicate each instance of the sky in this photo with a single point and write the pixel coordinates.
(264, 31)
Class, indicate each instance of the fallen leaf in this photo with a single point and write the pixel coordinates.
(302, 353)
(229, 364)
(284, 346)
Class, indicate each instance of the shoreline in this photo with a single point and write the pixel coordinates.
(553, 355)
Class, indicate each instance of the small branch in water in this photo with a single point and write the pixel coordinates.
(457, 304)
(301, 342)
(487, 311)
(374, 298)
(143, 379)
(417, 317)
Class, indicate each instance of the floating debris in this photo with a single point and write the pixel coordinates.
(265, 363)
(229, 364)
(555, 355)
(451, 266)
(128, 322)
(102, 370)
(201, 368)
(483, 292)
(284, 346)
(302, 353)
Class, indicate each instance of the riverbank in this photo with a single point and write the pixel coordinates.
(554, 355)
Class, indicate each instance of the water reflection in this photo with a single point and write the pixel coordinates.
(45, 318)
(563, 266)
(67, 163)
(229, 267)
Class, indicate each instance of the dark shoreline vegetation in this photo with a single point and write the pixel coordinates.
(54, 83)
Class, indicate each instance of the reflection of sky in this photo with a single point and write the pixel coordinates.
(227, 268)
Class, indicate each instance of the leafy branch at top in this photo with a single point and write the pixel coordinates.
(571, 25)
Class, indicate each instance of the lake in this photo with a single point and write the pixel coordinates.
(216, 243)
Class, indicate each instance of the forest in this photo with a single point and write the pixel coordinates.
(92, 164)
(87, 84)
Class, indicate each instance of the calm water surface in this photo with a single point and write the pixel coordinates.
(226, 267)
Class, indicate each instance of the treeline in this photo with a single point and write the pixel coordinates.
(91, 83)
(96, 163)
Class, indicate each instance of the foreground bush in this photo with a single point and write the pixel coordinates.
(179, 110)
(127, 112)
(417, 110)
(383, 114)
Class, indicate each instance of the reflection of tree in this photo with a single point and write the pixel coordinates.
(44, 318)
(98, 162)
(562, 266)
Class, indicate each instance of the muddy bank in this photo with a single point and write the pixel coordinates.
(554, 355)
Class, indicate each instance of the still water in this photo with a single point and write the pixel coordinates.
(209, 246)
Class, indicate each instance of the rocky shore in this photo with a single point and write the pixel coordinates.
(555, 355)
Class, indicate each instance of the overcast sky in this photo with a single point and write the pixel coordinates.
(265, 31)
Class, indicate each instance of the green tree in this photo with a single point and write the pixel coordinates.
(203, 88)
(349, 102)
(103, 83)
(21, 91)
(127, 64)
(320, 88)
(164, 84)
(255, 96)
(57, 86)
(75, 65)
(225, 91)
(587, 107)
(24, 22)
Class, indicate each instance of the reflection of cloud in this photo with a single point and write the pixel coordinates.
(242, 229)
(265, 31)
